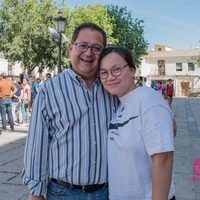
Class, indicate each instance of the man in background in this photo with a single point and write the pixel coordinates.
(36, 87)
(7, 90)
(48, 76)
(16, 100)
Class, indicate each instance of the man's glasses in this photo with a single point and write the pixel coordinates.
(115, 71)
(83, 47)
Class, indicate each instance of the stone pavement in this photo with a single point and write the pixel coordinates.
(11, 158)
(187, 148)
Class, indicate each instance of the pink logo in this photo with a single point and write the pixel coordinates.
(196, 166)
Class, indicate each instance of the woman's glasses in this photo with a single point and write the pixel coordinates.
(115, 71)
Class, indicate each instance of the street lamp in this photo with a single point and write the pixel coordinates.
(60, 22)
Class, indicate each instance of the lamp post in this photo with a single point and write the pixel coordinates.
(60, 22)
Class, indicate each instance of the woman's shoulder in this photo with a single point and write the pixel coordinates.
(27, 86)
(149, 96)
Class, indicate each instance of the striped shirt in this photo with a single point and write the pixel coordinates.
(67, 136)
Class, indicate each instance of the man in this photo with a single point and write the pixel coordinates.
(36, 86)
(7, 90)
(48, 76)
(16, 101)
(67, 142)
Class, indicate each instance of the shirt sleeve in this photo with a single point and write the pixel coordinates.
(13, 87)
(158, 129)
(34, 173)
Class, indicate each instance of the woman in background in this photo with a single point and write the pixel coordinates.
(25, 100)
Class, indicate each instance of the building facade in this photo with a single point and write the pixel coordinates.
(164, 63)
(8, 67)
(17, 69)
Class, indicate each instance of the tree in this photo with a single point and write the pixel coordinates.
(198, 60)
(24, 33)
(95, 13)
(129, 33)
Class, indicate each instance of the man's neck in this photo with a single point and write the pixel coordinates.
(89, 82)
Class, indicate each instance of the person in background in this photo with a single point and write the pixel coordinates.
(164, 90)
(7, 90)
(139, 82)
(160, 88)
(25, 100)
(66, 149)
(36, 87)
(153, 85)
(169, 91)
(140, 137)
(48, 76)
(16, 100)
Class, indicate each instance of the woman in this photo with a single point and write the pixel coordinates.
(140, 138)
(25, 100)
(169, 92)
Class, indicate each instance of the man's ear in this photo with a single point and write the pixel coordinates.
(69, 48)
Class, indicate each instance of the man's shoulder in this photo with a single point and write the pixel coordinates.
(17, 85)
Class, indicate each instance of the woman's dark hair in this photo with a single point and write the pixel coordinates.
(92, 26)
(123, 52)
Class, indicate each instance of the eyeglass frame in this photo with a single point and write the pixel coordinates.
(111, 71)
(89, 46)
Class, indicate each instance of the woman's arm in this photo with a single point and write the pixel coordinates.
(162, 175)
(32, 197)
(174, 127)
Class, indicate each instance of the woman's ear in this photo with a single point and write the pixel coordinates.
(133, 72)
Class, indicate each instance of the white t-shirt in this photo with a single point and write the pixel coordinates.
(142, 126)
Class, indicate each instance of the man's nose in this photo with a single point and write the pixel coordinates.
(89, 51)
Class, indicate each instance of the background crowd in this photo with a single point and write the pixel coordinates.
(165, 89)
(17, 104)
(16, 99)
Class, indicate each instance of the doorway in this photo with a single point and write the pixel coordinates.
(184, 89)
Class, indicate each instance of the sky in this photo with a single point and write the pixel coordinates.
(174, 23)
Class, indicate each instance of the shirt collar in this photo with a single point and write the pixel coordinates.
(77, 77)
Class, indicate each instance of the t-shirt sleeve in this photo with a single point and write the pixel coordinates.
(157, 123)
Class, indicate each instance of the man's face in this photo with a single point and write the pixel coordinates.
(9, 79)
(86, 63)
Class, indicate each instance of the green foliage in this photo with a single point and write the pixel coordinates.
(129, 32)
(95, 13)
(24, 34)
(198, 61)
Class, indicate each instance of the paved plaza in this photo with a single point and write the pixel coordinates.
(187, 149)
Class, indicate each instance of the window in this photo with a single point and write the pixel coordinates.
(190, 66)
(161, 67)
(178, 66)
(10, 68)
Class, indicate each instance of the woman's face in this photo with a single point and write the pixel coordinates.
(24, 82)
(120, 84)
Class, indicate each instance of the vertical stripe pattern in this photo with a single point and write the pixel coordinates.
(67, 136)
